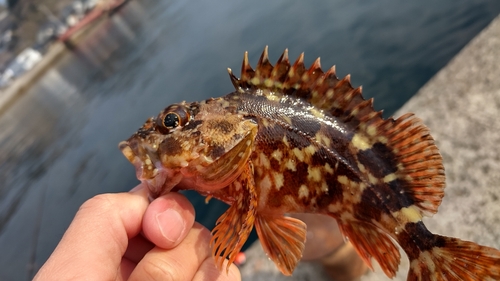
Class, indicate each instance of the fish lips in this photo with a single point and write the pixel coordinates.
(158, 179)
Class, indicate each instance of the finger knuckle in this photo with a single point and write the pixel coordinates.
(100, 201)
(156, 270)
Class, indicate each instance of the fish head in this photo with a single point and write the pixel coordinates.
(200, 146)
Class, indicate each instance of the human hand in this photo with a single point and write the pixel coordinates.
(105, 242)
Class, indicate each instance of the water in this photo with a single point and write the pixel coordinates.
(59, 140)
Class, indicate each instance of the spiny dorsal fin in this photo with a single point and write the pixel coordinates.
(420, 172)
(322, 89)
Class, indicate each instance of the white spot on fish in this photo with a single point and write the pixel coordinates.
(343, 180)
(287, 119)
(277, 154)
(299, 154)
(371, 130)
(290, 165)
(237, 185)
(310, 150)
(390, 177)
(409, 214)
(328, 169)
(314, 174)
(278, 180)
(303, 191)
(264, 161)
(265, 183)
(272, 97)
(322, 139)
(361, 142)
(317, 113)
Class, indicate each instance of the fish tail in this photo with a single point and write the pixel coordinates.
(452, 259)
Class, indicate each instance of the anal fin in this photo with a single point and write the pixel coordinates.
(370, 242)
(283, 240)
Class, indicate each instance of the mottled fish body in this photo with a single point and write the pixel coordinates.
(297, 140)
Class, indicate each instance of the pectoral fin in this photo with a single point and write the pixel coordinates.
(283, 240)
(234, 226)
(226, 168)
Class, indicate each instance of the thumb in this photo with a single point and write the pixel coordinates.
(168, 219)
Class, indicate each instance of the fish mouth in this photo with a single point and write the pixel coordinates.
(142, 159)
(148, 168)
(127, 151)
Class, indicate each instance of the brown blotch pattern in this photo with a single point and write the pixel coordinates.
(371, 159)
(171, 146)
(216, 151)
(417, 239)
(400, 187)
(370, 207)
(223, 126)
(192, 125)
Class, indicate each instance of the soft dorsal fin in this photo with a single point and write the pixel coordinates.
(420, 173)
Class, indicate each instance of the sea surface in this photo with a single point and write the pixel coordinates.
(58, 141)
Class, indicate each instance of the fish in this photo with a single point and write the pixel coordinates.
(291, 139)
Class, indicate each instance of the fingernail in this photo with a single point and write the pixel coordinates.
(171, 224)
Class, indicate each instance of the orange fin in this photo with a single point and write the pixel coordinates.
(234, 226)
(283, 240)
(413, 172)
(420, 171)
(371, 242)
(323, 90)
(456, 260)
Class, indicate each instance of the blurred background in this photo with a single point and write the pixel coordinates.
(78, 76)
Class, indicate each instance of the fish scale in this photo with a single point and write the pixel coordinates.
(296, 140)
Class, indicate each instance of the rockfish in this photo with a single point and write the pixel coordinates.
(297, 140)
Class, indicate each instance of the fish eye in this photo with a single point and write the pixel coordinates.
(173, 117)
(171, 120)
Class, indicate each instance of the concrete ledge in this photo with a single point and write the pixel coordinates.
(461, 106)
(20, 85)
(56, 51)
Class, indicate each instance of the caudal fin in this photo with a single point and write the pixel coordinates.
(452, 259)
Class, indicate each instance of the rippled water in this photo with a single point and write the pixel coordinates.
(59, 140)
